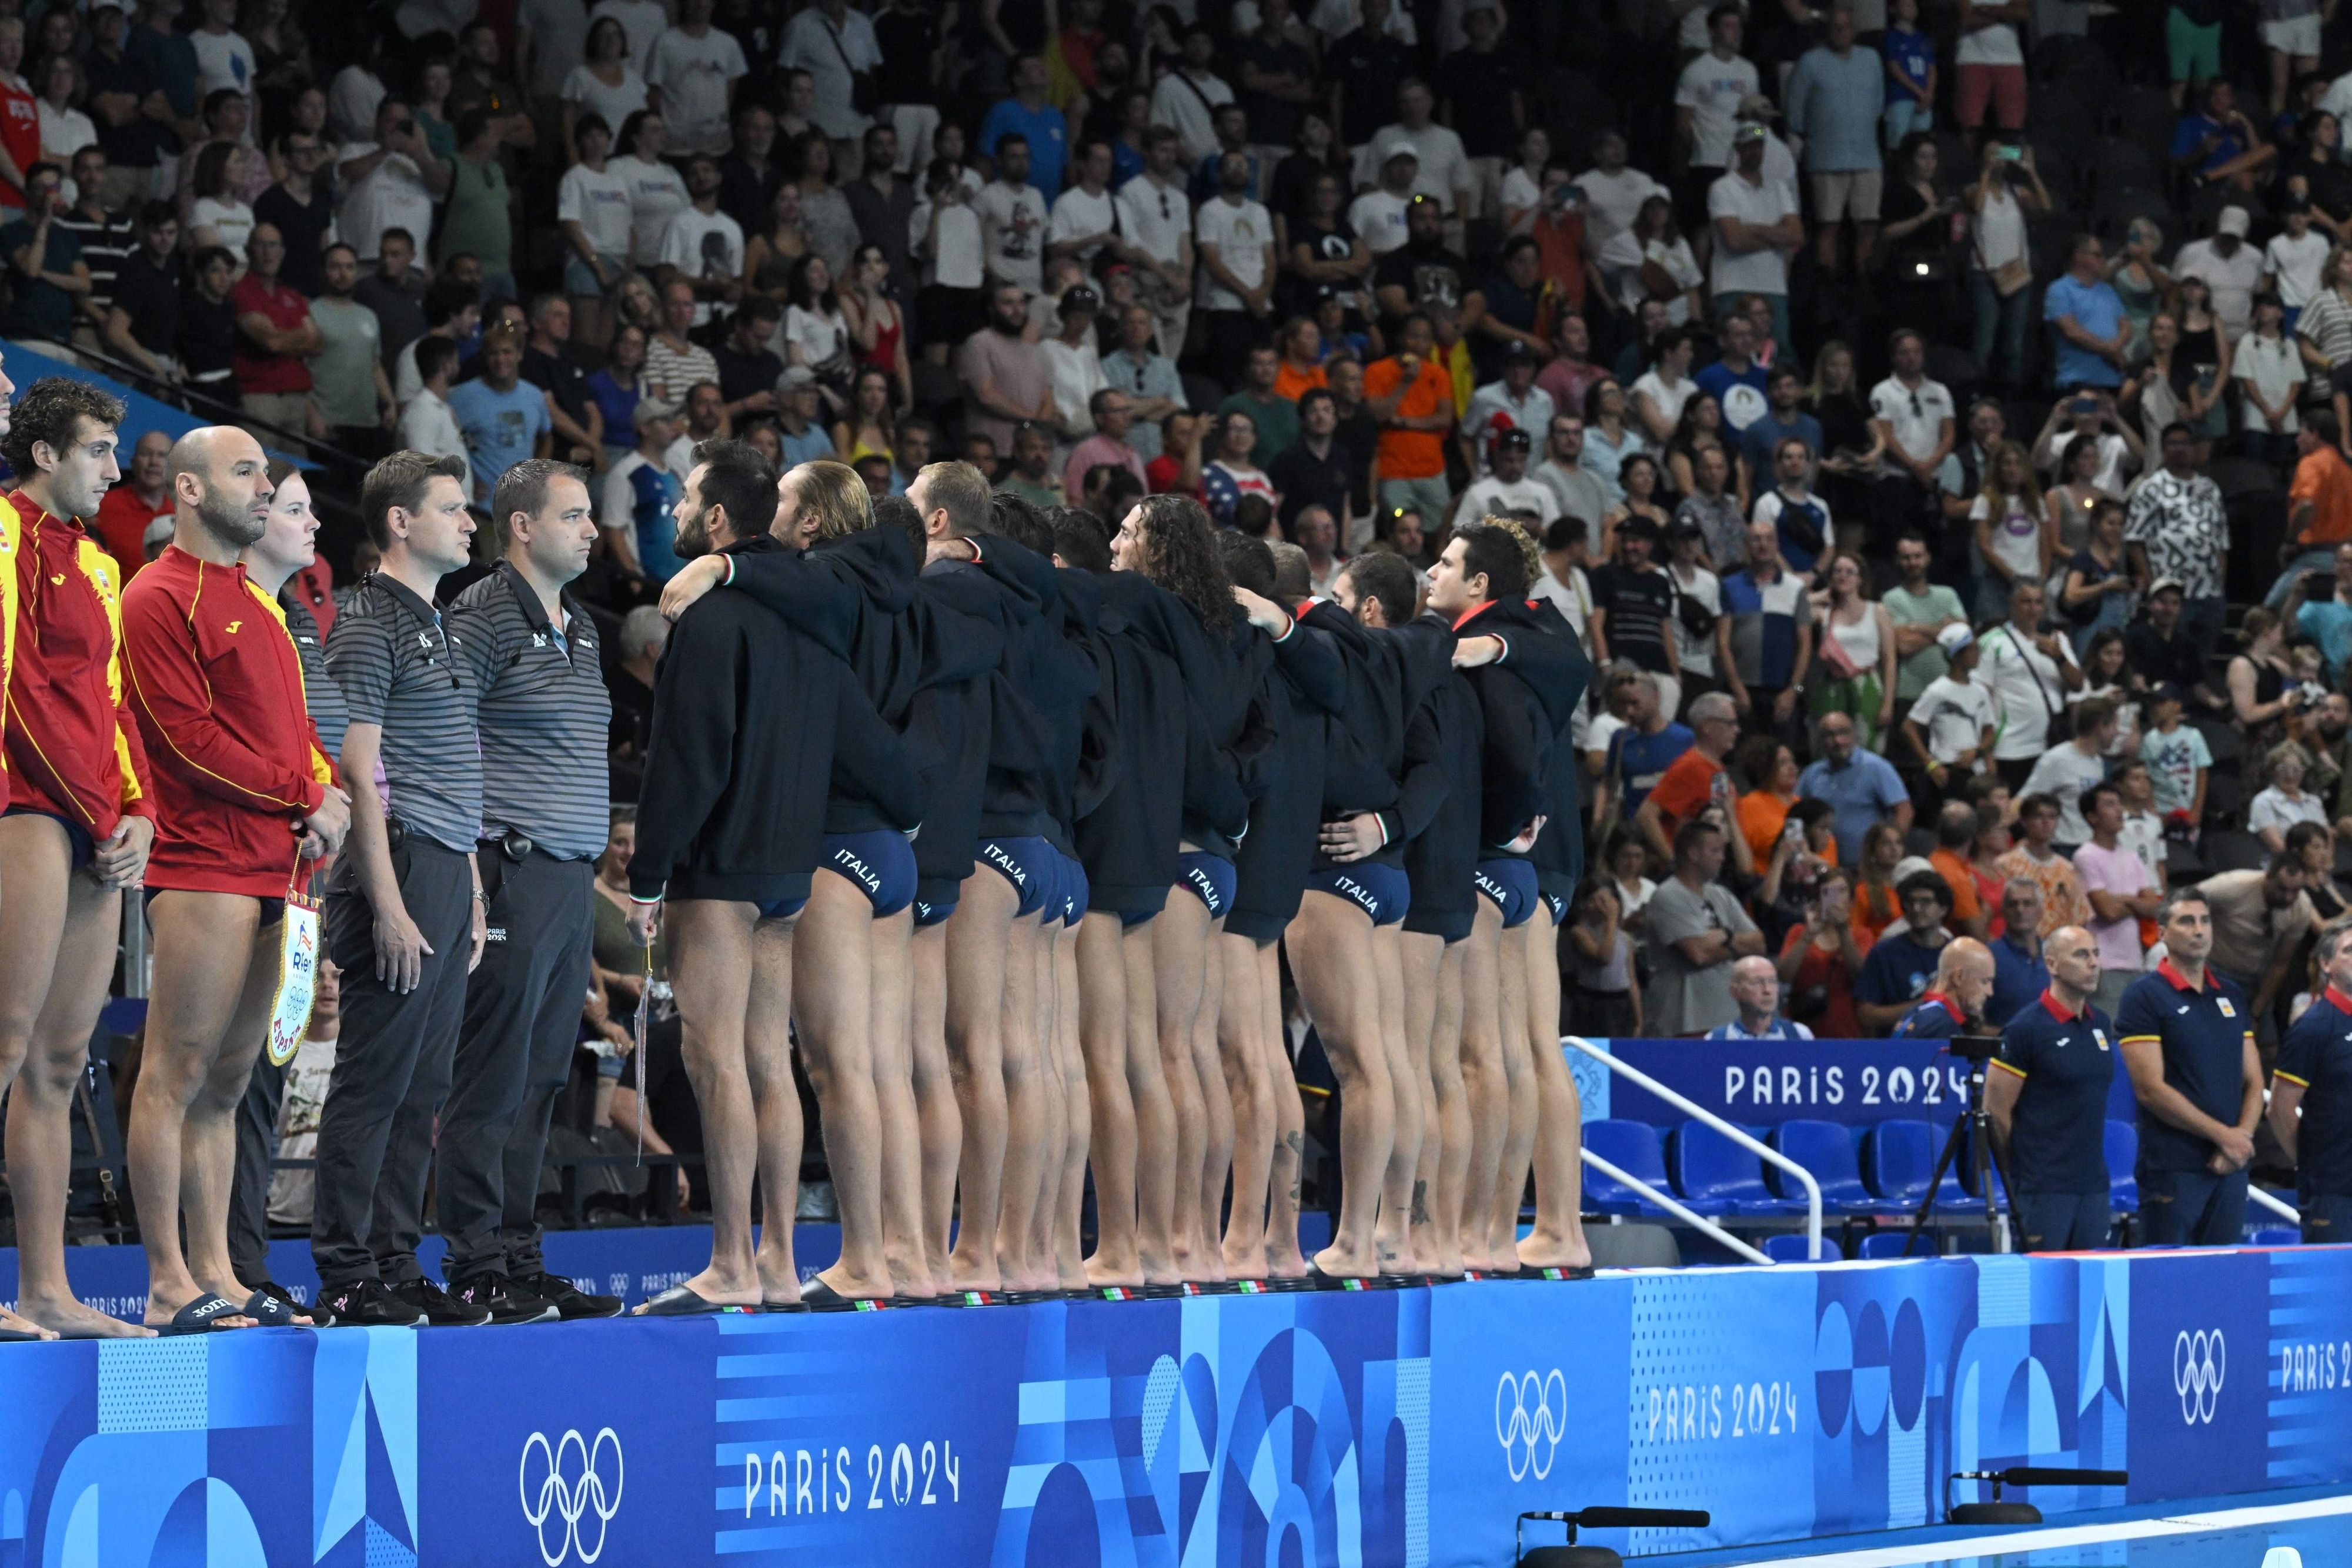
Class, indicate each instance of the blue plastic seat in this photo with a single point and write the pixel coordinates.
(2122, 1167)
(1634, 1148)
(1790, 1249)
(2275, 1236)
(1966, 1159)
(1897, 1158)
(1707, 1166)
(1890, 1244)
(1826, 1151)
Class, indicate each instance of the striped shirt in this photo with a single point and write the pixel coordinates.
(544, 714)
(398, 666)
(329, 714)
(2327, 325)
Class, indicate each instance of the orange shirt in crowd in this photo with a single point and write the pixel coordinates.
(1411, 453)
(1291, 383)
(1962, 879)
(2324, 479)
(1690, 783)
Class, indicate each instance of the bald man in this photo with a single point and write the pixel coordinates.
(1955, 1000)
(2047, 1095)
(1756, 990)
(245, 798)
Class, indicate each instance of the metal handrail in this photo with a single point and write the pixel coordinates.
(1701, 1113)
(1674, 1205)
(2277, 1206)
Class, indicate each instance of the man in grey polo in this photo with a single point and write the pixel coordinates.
(543, 714)
(404, 916)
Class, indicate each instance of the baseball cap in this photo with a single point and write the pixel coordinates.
(657, 408)
(2163, 583)
(1517, 348)
(1638, 525)
(2232, 221)
(1952, 639)
(1749, 130)
(159, 531)
(1683, 528)
(2167, 692)
(794, 378)
(1515, 438)
(1078, 296)
(1401, 150)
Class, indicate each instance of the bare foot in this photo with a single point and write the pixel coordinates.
(1285, 1263)
(854, 1287)
(1554, 1252)
(972, 1276)
(72, 1320)
(728, 1289)
(1342, 1265)
(1244, 1262)
(15, 1324)
(1105, 1273)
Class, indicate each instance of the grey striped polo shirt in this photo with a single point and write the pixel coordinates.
(397, 663)
(329, 714)
(544, 716)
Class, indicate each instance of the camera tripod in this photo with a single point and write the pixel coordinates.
(1977, 1050)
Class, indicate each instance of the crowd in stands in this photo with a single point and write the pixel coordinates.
(1905, 396)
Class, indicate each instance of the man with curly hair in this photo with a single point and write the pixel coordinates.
(78, 822)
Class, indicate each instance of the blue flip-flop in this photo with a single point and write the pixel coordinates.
(201, 1315)
(271, 1313)
(679, 1302)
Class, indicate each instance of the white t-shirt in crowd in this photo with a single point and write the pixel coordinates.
(2112, 454)
(1156, 218)
(2063, 773)
(641, 22)
(426, 425)
(392, 195)
(820, 338)
(2234, 278)
(1711, 90)
(1077, 213)
(1013, 233)
(1993, 45)
(2297, 262)
(598, 201)
(224, 60)
(1696, 655)
(1953, 715)
(1444, 172)
(1764, 271)
(1611, 202)
(231, 222)
(2027, 688)
(695, 75)
(1242, 234)
(812, 45)
(656, 195)
(959, 262)
(1494, 497)
(65, 132)
(1669, 399)
(703, 245)
(1188, 105)
(1379, 217)
(613, 104)
(1915, 415)
(2275, 368)
(2016, 537)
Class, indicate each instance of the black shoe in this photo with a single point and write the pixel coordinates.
(439, 1310)
(366, 1304)
(502, 1299)
(568, 1299)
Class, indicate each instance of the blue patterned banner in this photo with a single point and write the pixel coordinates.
(1358, 1430)
(1758, 1082)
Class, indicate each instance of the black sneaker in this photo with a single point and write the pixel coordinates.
(366, 1304)
(569, 1298)
(499, 1297)
(433, 1302)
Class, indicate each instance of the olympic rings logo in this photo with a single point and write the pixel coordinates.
(2200, 1362)
(568, 1499)
(1530, 1436)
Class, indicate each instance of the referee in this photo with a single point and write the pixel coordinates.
(2315, 1079)
(2189, 1044)
(2049, 1099)
(543, 713)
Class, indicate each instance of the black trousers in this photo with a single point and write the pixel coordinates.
(256, 1145)
(391, 1068)
(514, 1052)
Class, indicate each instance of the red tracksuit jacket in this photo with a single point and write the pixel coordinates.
(73, 750)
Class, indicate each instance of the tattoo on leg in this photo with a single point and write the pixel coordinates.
(1420, 1203)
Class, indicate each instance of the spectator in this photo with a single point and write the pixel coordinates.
(275, 337)
(503, 418)
(1442, 169)
(143, 498)
(673, 360)
(1783, 418)
(1663, 391)
(2029, 671)
(394, 290)
(2067, 770)
(1955, 832)
(1764, 642)
(605, 86)
(1237, 256)
(2020, 973)
(1509, 488)
(703, 247)
(801, 431)
(2229, 267)
(1157, 215)
(1512, 402)
(1013, 218)
(2260, 919)
(1696, 929)
(1032, 476)
(550, 364)
(1861, 785)
(1857, 655)
(1916, 425)
(1006, 378)
(1715, 512)
(1835, 99)
(641, 21)
(1319, 468)
(1233, 476)
(2218, 145)
(302, 209)
(427, 425)
(1823, 957)
(1706, 104)
(1755, 229)
(2091, 337)
(1736, 381)
(1581, 492)
(1186, 98)
(2268, 368)
(389, 182)
(2177, 529)
(749, 176)
(1410, 394)
(1922, 612)
(657, 192)
(2326, 617)
(2035, 859)
(2319, 505)
(1379, 214)
(695, 67)
(639, 495)
(45, 262)
(452, 312)
(1763, 812)
(2283, 804)
(1318, 534)
(1791, 509)
(1756, 992)
(1232, 122)
(1366, 65)
(1952, 722)
(350, 397)
(1645, 746)
(1990, 76)
(1696, 781)
(1632, 602)
(1604, 994)
(2013, 538)
(1274, 417)
(1113, 414)
(1904, 962)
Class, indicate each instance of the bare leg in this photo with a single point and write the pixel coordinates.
(1283, 1259)
(1179, 948)
(207, 964)
(1056, 1141)
(1331, 954)
(978, 933)
(776, 1101)
(1482, 1081)
(1069, 1248)
(1452, 1123)
(1216, 1110)
(894, 1099)
(710, 978)
(1029, 1119)
(1155, 1110)
(832, 953)
(1418, 956)
(1244, 1053)
(935, 1099)
(1558, 1240)
(1102, 1035)
(1402, 1198)
(58, 933)
(1518, 1093)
